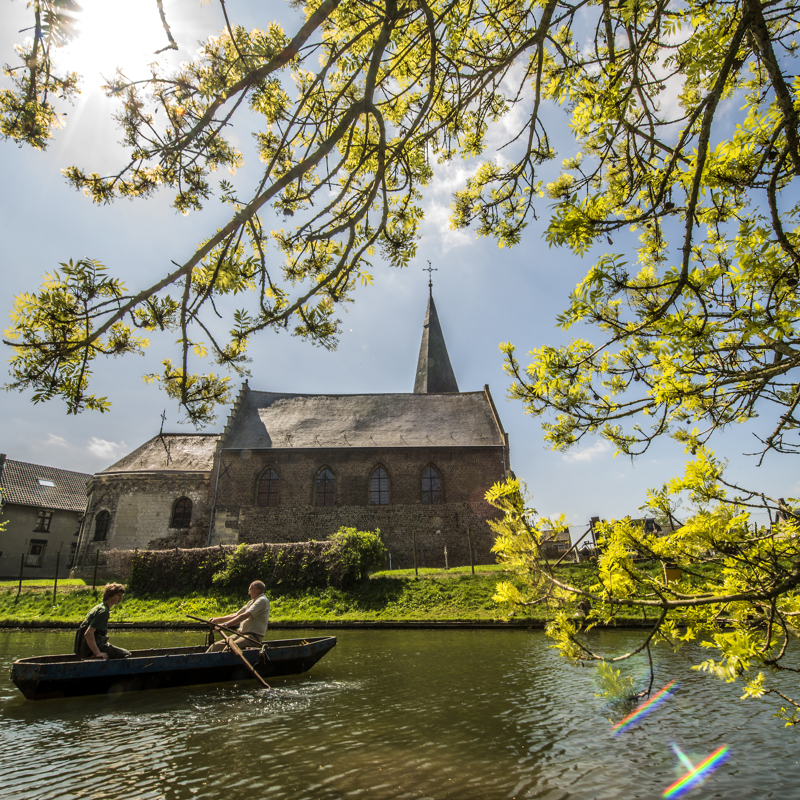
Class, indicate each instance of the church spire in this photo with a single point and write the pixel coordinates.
(434, 373)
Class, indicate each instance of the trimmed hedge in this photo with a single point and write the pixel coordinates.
(341, 562)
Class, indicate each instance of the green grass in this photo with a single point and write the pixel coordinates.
(435, 596)
(43, 584)
(428, 572)
(390, 596)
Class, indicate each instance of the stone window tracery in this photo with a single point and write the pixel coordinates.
(431, 487)
(325, 494)
(181, 513)
(101, 523)
(379, 488)
(268, 489)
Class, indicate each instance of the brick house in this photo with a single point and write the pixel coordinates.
(42, 507)
(293, 467)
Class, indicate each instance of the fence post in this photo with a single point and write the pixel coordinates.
(96, 559)
(445, 558)
(471, 556)
(414, 537)
(21, 568)
(55, 582)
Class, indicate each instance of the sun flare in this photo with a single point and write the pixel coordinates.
(113, 34)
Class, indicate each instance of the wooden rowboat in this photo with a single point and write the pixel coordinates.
(45, 677)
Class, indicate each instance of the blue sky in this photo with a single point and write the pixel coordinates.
(483, 295)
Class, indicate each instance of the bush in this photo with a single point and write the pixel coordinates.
(283, 567)
(353, 555)
(180, 570)
(342, 562)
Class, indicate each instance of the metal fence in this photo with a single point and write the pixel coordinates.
(582, 539)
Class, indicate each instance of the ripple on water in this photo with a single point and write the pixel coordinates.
(388, 714)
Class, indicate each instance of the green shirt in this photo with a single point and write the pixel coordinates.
(97, 618)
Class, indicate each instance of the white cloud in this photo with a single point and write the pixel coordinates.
(450, 176)
(108, 451)
(53, 441)
(597, 450)
(437, 216)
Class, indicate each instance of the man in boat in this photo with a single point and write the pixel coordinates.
(252, 619)
(91, 640)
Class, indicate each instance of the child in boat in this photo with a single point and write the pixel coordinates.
(91, 639)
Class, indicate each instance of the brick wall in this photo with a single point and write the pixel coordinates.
(466, 475)
(140, 504)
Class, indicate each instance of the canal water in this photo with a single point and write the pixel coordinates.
(390, 714)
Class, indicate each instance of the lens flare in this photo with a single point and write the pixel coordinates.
(653, 703)
(697, 774)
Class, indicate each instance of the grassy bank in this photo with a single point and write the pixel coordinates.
(396, 596)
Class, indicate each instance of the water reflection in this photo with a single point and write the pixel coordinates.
(386, 714)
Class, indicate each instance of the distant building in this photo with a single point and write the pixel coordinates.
(293, 467)
(556, 543)
(651, 525)
(43, 507)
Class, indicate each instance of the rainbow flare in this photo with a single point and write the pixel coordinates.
(654, 702)
(702, 770)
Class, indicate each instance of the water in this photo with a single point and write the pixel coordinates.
(388, 714)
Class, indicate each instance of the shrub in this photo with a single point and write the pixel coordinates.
(285, 567)
(342, 562)
(353, 555)
(180, 570)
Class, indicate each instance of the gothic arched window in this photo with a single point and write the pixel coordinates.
(181, 513)
(379, 488)
(101, 523)
(431, 487)
(325, 488)
(268, 489)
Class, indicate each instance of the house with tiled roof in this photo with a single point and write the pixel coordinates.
(293, 467)
(42, 508)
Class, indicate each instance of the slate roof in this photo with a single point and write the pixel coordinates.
(174, 452)
(20, 483)
(265, 420)
(556, 536)
(434, 371)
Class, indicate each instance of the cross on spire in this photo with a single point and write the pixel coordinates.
(430, 270)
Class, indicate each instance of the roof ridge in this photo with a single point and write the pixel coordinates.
(359, 394)
(184, 433)
(45, 466)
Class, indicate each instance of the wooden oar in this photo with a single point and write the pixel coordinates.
(226, 628)
(235, 648)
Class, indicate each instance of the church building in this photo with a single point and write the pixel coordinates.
(293, 467)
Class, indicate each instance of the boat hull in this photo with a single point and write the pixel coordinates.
(46, 677)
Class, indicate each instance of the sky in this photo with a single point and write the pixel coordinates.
(484, 296)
